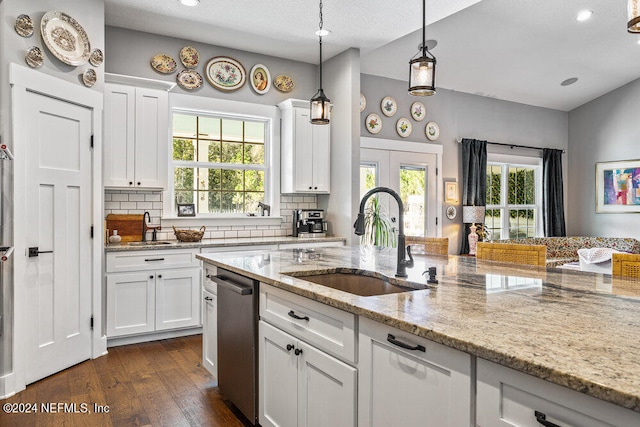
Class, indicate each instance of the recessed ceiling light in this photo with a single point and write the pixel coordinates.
(570, 81)
(189, 2)
(431, 44)
(583, 15)
(323, 33)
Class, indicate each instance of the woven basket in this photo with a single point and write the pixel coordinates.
(189, 235)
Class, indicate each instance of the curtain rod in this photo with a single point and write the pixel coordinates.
(510, 145)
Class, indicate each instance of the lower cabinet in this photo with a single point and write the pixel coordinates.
(210, 332)
(149, 301)
(506, 397)
(301, 385)
(405, 380)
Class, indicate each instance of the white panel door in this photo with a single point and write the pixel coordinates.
(119, 144)
(131, 305)
(58, 213)
(303, 147)
(321, 158)
(152, 138)
(210, 333)
(177, 298)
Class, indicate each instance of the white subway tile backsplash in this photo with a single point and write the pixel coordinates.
(153, 197)
(120, 197)
(136, 197)
(244, 233)
(230, 234)
(256, 233)
(128, 205)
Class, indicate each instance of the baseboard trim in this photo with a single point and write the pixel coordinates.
(7, 386)
(163, 335)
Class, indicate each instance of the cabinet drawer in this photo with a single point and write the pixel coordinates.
(328, 328)
(151, 260)
(506, 397)
(208, 271)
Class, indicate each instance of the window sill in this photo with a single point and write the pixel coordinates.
(221, 221)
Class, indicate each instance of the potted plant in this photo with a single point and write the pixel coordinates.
(378, 227)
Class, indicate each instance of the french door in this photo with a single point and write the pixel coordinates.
(413, 176)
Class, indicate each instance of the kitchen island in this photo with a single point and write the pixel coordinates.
(578, 330)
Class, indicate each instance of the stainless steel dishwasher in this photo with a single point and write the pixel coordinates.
(238, 298)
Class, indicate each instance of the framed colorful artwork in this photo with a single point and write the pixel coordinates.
(225, 74)
(618, 186)
(260, 79)
(451, 192)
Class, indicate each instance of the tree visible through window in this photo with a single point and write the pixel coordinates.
(218, 163)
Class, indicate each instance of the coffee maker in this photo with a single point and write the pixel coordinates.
(309, 223)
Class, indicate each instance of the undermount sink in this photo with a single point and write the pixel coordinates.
(358, 282)
(149, 243)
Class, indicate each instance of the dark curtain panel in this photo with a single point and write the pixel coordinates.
(474, 179)
(552, 193)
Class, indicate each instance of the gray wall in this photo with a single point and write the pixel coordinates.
(129, 52)
(605, 129)
(466, 116)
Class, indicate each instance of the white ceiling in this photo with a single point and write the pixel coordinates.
(512, 50)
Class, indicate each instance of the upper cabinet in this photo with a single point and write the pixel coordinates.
(305, 148)
(136, 133)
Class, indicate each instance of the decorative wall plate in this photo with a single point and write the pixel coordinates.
(34, 57)
(363, 102)
(432, 131)
(403, 127)
(451, 212)
(418, 111)
(65, 38)
(373, 123)
(189, 57)
(24, 25)
(225, 73)
(260, 78)
(164, 64)
(189, 79)
(96, 57)
(388, 106)
(283, 83)
(89, 77)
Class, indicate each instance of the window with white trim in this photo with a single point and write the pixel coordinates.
(514, 200)
(219, 162)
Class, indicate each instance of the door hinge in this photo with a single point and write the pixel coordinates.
(91, 322)
(436, 168)
(92, 141)
(436, 220)
(92, 231)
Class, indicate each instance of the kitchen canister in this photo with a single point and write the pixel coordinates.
(115, 238)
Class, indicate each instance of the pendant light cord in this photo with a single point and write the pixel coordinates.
(424, 24)
(320, 37)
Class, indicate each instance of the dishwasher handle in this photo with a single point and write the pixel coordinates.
(234, 287)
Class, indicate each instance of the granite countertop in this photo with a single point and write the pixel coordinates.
(580, 330)
(213, 243)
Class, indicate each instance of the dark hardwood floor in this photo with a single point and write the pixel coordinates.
(160, 383)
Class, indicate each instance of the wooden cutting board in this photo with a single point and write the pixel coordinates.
(129, 226)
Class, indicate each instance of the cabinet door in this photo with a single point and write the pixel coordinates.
(321, 158)
(152, 138)
(130, 303)
(210, 333)
(430, 386)
(303, 151)
(177, 298)
(326, 390)
(278, 370)
(119, 141)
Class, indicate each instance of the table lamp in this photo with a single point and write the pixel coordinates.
(472, 215)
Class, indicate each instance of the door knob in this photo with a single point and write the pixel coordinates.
(35, 251)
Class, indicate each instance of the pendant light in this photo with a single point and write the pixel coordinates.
(320, 105)
(633, 26)
(422, 70)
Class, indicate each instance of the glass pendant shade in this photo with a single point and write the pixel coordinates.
(422, 75)
(633, 8)
(320, 108)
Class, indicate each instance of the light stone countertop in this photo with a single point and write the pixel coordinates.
(580, 330)
(215, 243)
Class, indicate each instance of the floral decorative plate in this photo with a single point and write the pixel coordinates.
(189, 57)
(432, 131)
(189, 79)
(418, 111)
(363, 102)
(403, 127)
(24, 25)
(373, 123)
(225, 73)
(283, 83)
(65, 38)
(260, 79)
(89, 77)
(96, 57)
(388, 106)
(163, 64)
(451, 212)
(34, 57)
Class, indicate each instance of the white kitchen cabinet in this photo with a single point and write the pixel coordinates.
(137, 137)
(305, 151)
(301, 385)
(428, 385)
(209, 320)
(130, 303)
(506, 397)
(177, 298)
